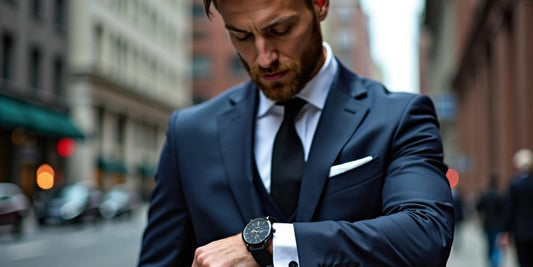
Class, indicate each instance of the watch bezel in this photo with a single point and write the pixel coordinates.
(254, 245)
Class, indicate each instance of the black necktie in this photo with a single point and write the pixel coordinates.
(287, 161)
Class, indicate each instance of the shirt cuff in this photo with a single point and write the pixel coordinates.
(285, 252)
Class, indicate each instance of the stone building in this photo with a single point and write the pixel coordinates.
(129, 70)
(34, 111)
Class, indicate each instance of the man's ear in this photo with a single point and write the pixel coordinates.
(321, 9)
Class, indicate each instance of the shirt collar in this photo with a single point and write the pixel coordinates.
(314, 92)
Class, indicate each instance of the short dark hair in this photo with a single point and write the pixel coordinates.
(207, 6)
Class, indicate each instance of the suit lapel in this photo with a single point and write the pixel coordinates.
(235, 132)
(342, 113)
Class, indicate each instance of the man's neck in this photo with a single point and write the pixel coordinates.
(320, 62)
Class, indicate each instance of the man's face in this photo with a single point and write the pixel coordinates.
(278, 41)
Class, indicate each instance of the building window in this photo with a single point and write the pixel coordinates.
(100, 113)
(35, 69)
(153, 138)
(98, 45)
(121, 130)
(7, 58)
(36, 9)
(116, 56)
(198, 10)
(58, 77)
(59, 15)
(201, 67)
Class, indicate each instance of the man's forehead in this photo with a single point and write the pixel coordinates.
(259, 12)
(246, 6)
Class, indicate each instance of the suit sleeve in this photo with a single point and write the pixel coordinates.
(416, 225)
(168, 238)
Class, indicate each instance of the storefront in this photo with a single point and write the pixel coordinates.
(31, 135)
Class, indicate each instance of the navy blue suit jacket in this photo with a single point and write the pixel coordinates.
(393, 211)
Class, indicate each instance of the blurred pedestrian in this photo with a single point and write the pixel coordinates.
(520, 207)
(458, 205)
(491, 208)
(459, 216)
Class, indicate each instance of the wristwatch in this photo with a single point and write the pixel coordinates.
(257, 235)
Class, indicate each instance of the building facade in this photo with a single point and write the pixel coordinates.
(437, 61)
(346, 30)
(129, 70)
(216, 66)
(34, 111)
(490, 79)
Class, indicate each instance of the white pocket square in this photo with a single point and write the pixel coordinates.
(342, 168)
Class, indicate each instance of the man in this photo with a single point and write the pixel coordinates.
(520, 208)
(363, 183)
(491, 208)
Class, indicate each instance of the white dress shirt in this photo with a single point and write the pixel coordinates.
(268, 120)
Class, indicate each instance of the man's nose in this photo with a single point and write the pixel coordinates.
(266, 53)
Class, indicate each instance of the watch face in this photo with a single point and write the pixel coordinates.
(256, 231)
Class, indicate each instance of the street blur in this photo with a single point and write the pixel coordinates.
(116, 243)
(469, 247)
(104, 243)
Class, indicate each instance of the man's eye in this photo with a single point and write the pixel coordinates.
(279, 30)
(242, 36)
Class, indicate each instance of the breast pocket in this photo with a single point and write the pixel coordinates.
(353, 178)
(353, 195)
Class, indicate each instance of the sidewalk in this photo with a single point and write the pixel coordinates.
(468, 248)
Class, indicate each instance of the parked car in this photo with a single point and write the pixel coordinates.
(14, 206)
(118, 202)
(69, 204)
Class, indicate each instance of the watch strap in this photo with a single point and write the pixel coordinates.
(262, 256)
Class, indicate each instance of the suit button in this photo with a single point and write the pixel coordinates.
(293, 264)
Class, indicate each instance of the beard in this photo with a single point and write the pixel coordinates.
(303, 70)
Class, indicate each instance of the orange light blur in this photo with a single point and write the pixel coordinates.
(45, 181)
(45, 177)
(453, 177)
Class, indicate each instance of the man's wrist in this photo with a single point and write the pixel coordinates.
(257, 236)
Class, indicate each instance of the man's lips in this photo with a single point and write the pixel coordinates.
(271, 77)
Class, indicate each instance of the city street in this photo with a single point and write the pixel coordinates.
(110, 243)
(116, 243)
(468, 249)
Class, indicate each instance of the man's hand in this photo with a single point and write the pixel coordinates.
(230, 251)
(503, 240)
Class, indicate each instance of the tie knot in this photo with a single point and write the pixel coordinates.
(292, 107)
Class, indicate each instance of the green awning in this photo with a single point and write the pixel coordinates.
(18, 114)
(112, 166)
(146, 170)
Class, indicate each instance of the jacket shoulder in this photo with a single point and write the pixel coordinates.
(210, 109)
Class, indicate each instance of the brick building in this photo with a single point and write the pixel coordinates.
(479, 53)
(216, 66)
(346, 30)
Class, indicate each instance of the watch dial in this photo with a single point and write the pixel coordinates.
(256, 231)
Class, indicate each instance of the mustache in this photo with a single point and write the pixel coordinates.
(257, 70)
